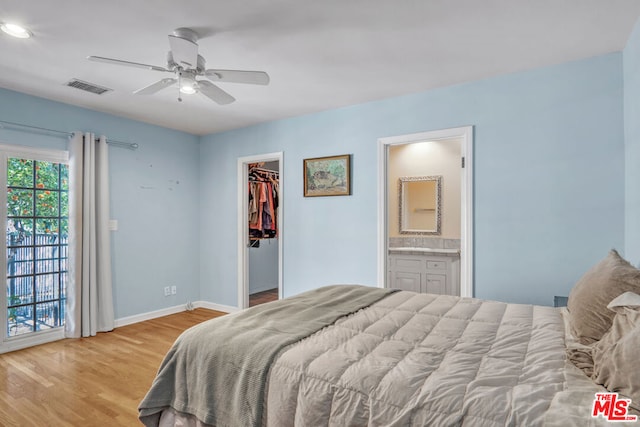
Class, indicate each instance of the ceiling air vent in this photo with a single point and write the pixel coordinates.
(87, 87)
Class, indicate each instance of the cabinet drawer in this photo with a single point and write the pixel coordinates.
(436, 265)
(409, 264)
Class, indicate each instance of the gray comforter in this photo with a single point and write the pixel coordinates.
(216, 371)
(425, 360)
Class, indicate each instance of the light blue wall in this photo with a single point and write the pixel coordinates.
(632, 145)
(549, 182)
(549, 185)
(157, 241)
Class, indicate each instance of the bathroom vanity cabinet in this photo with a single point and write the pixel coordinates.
(424, 270)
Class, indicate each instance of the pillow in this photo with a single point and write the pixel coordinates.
(615, 356)
(589, 317)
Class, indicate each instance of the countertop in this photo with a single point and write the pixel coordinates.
(425, 251)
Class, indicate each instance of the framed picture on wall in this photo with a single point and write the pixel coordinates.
(327, 176)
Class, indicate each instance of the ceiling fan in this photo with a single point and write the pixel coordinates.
(186, 64)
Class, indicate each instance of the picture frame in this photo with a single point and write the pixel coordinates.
(327, 176)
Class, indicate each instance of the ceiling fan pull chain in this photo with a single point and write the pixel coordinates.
(179, 85)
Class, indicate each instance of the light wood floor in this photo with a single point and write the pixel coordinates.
(262, 297)
(97, 381)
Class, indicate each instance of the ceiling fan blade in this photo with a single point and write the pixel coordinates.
(127, 63)
(214, 93)
(238, 76)
(155, 87)
(184, 51)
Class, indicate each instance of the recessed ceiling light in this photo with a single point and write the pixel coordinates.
(15, 30)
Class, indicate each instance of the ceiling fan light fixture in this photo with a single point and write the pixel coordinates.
(188, 89)
(15, 30)
(188, 85)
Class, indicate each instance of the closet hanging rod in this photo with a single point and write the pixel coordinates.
(20, 126)
(264, 170)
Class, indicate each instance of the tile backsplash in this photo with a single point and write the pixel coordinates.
(424, 242)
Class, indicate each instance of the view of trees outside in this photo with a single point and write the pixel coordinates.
(36, 238)
(50, 203)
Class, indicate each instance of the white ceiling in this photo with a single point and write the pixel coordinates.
(319, 54)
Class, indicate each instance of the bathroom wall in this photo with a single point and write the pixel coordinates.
(429, 158)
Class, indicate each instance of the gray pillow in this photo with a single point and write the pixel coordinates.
(615, 356)
(589, 317)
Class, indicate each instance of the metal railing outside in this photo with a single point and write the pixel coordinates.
(37, 267)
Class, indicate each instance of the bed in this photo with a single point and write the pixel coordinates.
(347, 355)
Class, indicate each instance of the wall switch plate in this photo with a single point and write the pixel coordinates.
(174, 290)
(167, 291)
(113, 225)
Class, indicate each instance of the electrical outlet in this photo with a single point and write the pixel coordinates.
(174, 290)
(167, 291)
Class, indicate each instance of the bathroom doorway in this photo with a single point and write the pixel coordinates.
(260, 227)
(406, 161)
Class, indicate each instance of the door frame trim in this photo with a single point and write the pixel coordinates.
(243, 223)
(465, 133)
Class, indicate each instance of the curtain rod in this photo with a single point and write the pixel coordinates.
(128, 145)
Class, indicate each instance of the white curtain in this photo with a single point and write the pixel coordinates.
(89, 289)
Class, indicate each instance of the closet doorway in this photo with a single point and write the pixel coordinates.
(260, 229)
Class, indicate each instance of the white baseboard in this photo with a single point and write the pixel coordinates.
(214, 306)
(123, 321)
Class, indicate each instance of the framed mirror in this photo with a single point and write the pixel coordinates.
(420, 204)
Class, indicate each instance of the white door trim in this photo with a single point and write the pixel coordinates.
(466, 232)
(243, 223)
